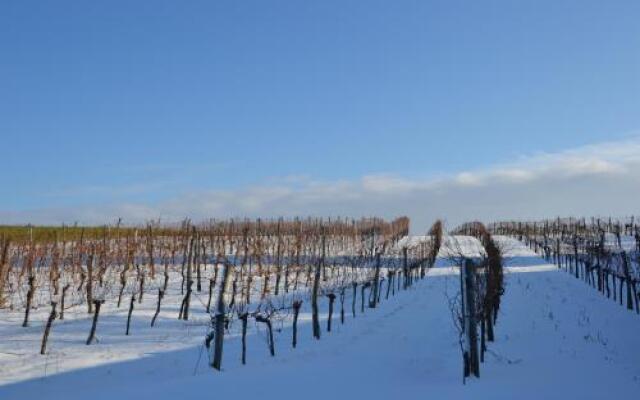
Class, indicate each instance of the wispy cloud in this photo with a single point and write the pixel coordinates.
(597, 179)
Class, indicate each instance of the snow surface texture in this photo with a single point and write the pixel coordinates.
(555, 338)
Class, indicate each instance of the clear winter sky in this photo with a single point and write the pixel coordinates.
(453, 109)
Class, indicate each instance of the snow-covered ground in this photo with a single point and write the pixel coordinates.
(555, 338)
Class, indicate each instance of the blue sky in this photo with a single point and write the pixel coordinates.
(143, 103)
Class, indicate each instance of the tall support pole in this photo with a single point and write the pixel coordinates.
(471, 324)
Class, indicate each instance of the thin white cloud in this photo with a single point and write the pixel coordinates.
(604, 158)
(390, 184)
(598, 179)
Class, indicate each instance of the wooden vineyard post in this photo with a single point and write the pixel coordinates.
(219, 318)
(314, 293)
(470, 326)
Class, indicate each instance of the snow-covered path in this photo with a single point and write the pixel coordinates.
(555, 338)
